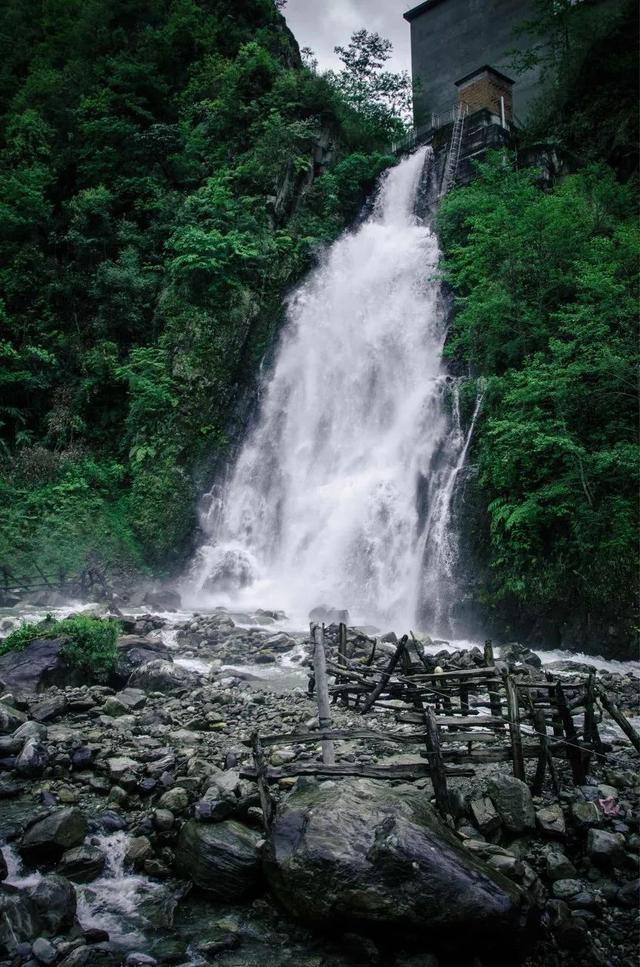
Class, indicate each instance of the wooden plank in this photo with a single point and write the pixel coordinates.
(513, 710)
(418, 770)
(322, 691)
(479, 673)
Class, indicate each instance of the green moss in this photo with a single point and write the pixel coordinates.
(90, 647)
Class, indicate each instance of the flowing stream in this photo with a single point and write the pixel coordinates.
(342, 491)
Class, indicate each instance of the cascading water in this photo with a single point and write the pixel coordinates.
(324, 503)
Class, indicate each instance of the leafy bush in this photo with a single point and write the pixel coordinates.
(90, 648)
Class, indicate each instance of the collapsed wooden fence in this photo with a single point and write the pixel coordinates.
(465, 718)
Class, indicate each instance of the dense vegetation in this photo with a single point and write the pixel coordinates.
(546, 285)
(167, 169)
(89, 647)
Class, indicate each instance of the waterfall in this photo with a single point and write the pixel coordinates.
(325, 502)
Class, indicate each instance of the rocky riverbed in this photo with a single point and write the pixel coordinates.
(131, 837)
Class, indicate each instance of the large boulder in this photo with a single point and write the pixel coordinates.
(10, 718)
(55, 900)
(360, 851)
(222, 858)
(163, 600)
(19, 919)
(137, 650)
(35, 667)
(82, 863)
(46, 839)
(163, 676)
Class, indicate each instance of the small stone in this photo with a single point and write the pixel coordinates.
(82, 864)
(484, 815)
(559, 867)
(33, 759)
(605, 849)
(163, 819)
(175, 799)
(550, 821)
(139, 849)
(513, 802)
(586, 814)
(44, 951)
(565, 889)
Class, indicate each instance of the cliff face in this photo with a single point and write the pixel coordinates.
(165, 174)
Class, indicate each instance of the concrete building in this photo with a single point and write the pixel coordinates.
(453, 40)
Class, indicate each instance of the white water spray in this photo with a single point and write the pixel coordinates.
(323, 504)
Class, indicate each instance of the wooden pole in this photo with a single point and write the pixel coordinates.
(541, 768)
(388, 672)
(322, 690)
(262, 781)
(620, 719)
(436, 762)
(574, 753)
(513, 707)
(489, 660)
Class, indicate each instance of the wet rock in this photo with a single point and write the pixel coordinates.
(559, 866)
(565, 889)
(163, 676)
(176, 800)
(55, 900)
(550, 821)
(96, 955)
(135, 651)
(360, 851)
(33, 759)
(48, 708)
(122, 765)
(586, 814)
(223, 859)
(513, 802)
(19, 919)
(605, 849)
(41, 663)
(47, 838)
(82, 864)
(484, 815)
(139, 849)
(44, 951)
(10, 718)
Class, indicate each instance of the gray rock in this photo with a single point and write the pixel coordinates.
(32, 668)
(139, 849)
(361, 851)
(31, 730)
(163, 600)
(46, 839)
(512, 799)
(48, 708)
(44, 951)
(565, 889)
(586, 814)
(176, 800)
(605, 849)
(33, 759)
(559, 866)
(82, 864)
(135, 651)
(120, 766)
(19, 918)
(163, 676)
(10, 718)
(223, 859)
(55, 900)
(484, 815)
(95, 955)
(551, 821)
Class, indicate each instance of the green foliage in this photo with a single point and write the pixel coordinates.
(167, 171)
(546, 306)
(90, 647)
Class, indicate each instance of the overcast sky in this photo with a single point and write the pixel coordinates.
(325, 24)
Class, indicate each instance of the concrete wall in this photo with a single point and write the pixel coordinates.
(451, 38)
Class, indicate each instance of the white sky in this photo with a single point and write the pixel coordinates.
(325, 24)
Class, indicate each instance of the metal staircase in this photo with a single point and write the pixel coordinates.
(453, 155)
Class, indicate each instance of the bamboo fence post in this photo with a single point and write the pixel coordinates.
(513, 707)
(574, 752)
(436, 762)
(620, 719)
(322, 690)
(262, 781)
(388, 672)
